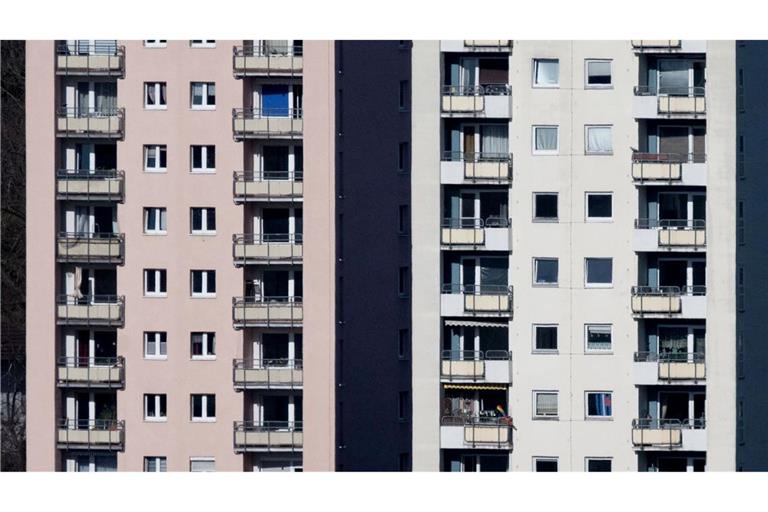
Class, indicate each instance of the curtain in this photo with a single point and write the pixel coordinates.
(546, 138)
(78, 281)
(546, 72)
(162, 93)
(197, 93)
(493, 272)
(599, 139)
(150, 94)
(493, 139)
(106, 98)
(82, 218)
(83, 100)
(546, 404)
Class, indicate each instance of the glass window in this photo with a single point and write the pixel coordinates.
(203, 283)
(599, 206)
(203, 158)
(598, 465)
(545, 464)
(598, 74)
(154, 95)
(546, 72)
(155, 43)
(203, 95)
(155, 407)
(545, 271)
(155, 464)
(155, 159)
(545, 140)
(599, 337)
(202, 43)
(599, 140)
(598, 272)
(203, 221)
(545, 206)
(155, 282)
(203, 407)
(203, 345)
(202, 464)
(545, 404)
(599, 404)
(155, 220)
(545, 337)
(155, 345)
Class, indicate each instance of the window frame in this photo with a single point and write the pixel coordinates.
(203, 408)
(545, 152)
(161, 415)
(587, 416)
(537, 459)
(160, 149)
(550, 417)
(587, 85)
(161, 337)
(587, 217)
(203, 43)
(155, 43)
(158, 86)
(157, 459)
(208, 346)
(205, 105)
(204, 221)
(156, 231)
(587, 151)
(588, 350)
(537, 350)
(204, 283)
(587, 284)
(159, 272)
(204, 150)
(534, 218)
(587, 460)
(536, 260)
(534, 63)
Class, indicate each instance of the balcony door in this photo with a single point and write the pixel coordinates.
(274, 100)
(684, 143)
(679, 77)
(680, 209)
(490, 140)
(275, 224)
(487, 274)
(276, 160)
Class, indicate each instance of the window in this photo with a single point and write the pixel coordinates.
(544, 404)
(599, 206)
(403, 219)
(545, 206)
(545, 271)
(203, 158)
(403, 345)
(598, 140)
(598, 272)
(599, 404)
(154, 96)
(598, 337)
(155, 464)
(546, 72)
(155, 407)
(155, 43)
(202, 43)
(545, 338)
(598, 74)
(155, 159)
(597, 465)
(155, 221)
(155, 345)
(203, 407)
(202, 464)
(403, 282)
(202, 221)
(402, 405)
(203, 283)
(403, 96)
(155, 282)
(545, 140)
(203, 95)
(203, 345)
(403, 157)
(545, 464)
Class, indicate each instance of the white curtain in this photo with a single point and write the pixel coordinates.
(547, 72)
(78, 279)
(82, 220)
(599, 139)
(493, 139)
(546, 138)
(546, 404)
(197, 93)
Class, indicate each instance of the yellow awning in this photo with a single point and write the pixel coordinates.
(485, 387)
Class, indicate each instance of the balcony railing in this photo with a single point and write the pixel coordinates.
(257, 60)
(90, 310)
(90, 59)
(484, 167)
(268, 185)
(90, 434)
(267, 123)
(662, 299)
(91, 247)
(106, 372)
(676, 366)
(662, 432)
(483, 432)
(469, 364)
(268, 436)
(662, 166)
(483, 298)
(88, 122)
(468, 231)
(267, 373)
(267, 248)
(461, 99)
(676, 100)
(488, 44)
(84, 184)
(685, 233)
(656, 44)
(267, 312)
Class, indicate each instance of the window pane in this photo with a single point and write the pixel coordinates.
(546, 138)
(163, 219)
(546, 271)
(599, 206)
(151, 347)
(546, 72)
(149, 276)
(599, 73)
(599, 337)
(197, 406)
(162, 157)
(211, 406)
(546, 404)
(546, 337)
(197, 281)
(599, 270)
(211, 284)
(210, 157)
(151, 157)
(599, 404)
(211, 94)
(598, 465)
(197, 219)
(546, 465)
(211, 219)
(599, 139)
(197, 344)
(545, 206)
(162, 344)
(197, 157)
(197, 93)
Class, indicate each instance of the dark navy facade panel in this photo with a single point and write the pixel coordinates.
(751, 252)
(373, 305)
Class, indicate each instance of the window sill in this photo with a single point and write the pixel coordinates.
(156, 420)
(202, 233)
(545, 153)
(155, 295)
(546, 285)
(203, 296)
(598, 153)
(545, 86)
(546, 220)
(204, 109)
(599, 87)
(588, 352)
(546, 418)
(598, 418)
(202, 171)
(545, 352)
(156, 171)
(155, 233)
(159, 107)
(202, 358)
(155, 358)
(599, 220)
(598, 286)
(203, 420)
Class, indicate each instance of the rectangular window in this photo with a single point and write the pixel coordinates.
(403, 219)
(155, 465)
(155, 43)
(598, 74)
(598, 140)
(202, 221)
(403, 343)
(155, 282)
(403, 96)
(544, 404)
(203, 407)
(545, 206)
(202, 43)
(545, 140)
(202, 95)
(403, 157)
(597, 465)
(202, 464)
(155, 159)
(403, 282)
(402, 405)
(598, 337)
(155, 407)
(544, 338)
(598, 272)
(545, 271)
(203, 283)
(203, 158)
(154, 96)
(545, 464)
(203, 345)
(155, 220)
(155, 345)
(546, 72)
(599, 206)
(599, 404)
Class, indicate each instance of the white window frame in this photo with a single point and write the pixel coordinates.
(159, 148)
(204, 105)
(202, 43)
(204, 219)
(157, 86)
(587, 284)
(157, 399)
(204, 281)
(155, 43)
(158, 281)
(537, 416)
(537, 350)
(588, 459)
(588, 350)
(158, 460)
(587, 218)
(158, 335)
(588, 127)
(203, 408)
(545, 459)
(208, 344)
(203, 148)
(535, 63)
(202, 459)
(587, 85)
(536, 260)
(161, 214)
(586, 405)
(555, 151)
(534, 218)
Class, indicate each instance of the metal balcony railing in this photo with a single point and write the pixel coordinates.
(267, 311)
(469, 364)
(90, 434)
(106, 59)
(468, 231)
(485, 167)
(89, 122)
(90, 309)
(268, 185)
(676, 366)
(85, 184)
(664, 300)
(663, 431)
(483, 298)
(267, 373)
(685, 233)
(268, 435)
(282, 122)
(662, 166)
(91, 371)
(488, 44)
(656, 44)
(664, 291)
(267, 248)
(91, 247)
(483, 431)
(267, 60)
(676, 100)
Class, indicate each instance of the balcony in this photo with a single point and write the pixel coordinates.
(284, 61)
(105, 310)
(461, 432)
(488, 101)
(669, 301)
(93, 60)
(458, 168)
(87, 185)
(652, 369)
(91, 372)
(277, 123)
(669, 169)
(267, 312)
(267, 374)
(477, 45)
(268, 186)
(90, 434)
(669, 434)
(268, 436)
(669, 103)
(476, 366)
(79, 122)
(476, 300)
(249, 249)
(90, 248)
(492, 234)
(672, 235)
(668, 46)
